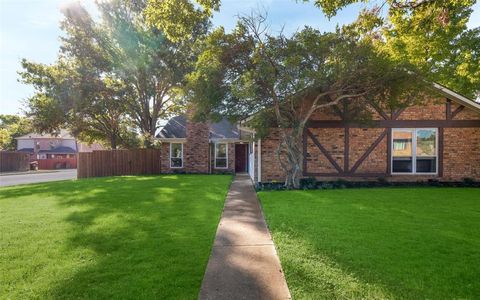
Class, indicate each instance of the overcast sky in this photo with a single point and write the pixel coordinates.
(30, 29)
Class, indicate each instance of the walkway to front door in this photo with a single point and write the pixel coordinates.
(243, 263)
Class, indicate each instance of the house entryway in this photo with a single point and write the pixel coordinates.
(241, 158)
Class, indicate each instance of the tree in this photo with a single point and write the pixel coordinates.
(12, 126)
(89, 106)
(282, 81)
(117, 73)
(178, 19)
(430, 34)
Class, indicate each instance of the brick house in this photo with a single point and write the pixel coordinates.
(439, 139)
(53, 151)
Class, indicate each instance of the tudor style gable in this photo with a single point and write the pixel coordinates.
(439, 139)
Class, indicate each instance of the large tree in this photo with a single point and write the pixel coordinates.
(73, 96)
(282, 81)
(116, 72)
(430, 34)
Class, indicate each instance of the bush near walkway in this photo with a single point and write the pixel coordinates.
(145, 237)
(384, 243)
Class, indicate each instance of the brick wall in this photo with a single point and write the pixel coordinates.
(165, 158)
(231, 159)
(360, 140)
(461, 148)
(271, 169)
(196, 148)
(434, 111)
(461, 153)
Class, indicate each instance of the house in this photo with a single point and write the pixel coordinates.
(439, 139)
(53, 151)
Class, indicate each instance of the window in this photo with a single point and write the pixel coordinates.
(176, 155)
(221, 156)
(414, 151)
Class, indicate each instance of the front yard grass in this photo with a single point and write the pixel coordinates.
(145, 237)
(389, 243)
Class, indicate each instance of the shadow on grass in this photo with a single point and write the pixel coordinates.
(404, 243)
(135, 237)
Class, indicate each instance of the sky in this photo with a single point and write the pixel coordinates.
(30, 29)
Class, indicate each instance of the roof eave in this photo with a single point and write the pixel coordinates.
(224, 140)
(462, 100)
(171, 140)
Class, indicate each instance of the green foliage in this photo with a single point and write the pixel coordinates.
(280, 81)
(179, 19)
(115, 76)
(130, 237)
(238, 74)
(389, 243)
(431, 35)
(12, 126)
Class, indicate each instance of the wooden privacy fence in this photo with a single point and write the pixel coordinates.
(14, 161)
(118, 162)
(57, 163)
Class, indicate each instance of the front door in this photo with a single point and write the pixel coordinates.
(241, 158)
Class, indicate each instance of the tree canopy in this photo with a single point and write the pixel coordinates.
(179, 19)
(114, 76)
(430, 34)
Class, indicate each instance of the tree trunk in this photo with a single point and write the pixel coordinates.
(290, 155)
(113, 142)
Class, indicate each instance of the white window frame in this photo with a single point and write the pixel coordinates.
(414, 151)
(173, 167)
(226, 157)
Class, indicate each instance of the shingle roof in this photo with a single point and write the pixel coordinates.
(60, 149)
(25, 150)
(176, 128)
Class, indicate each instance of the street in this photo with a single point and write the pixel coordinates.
(7, 180)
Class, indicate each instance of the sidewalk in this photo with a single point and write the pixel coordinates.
(243, 263)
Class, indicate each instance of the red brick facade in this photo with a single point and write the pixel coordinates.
(336, 149)
(198, 152)
(368, 154)
(196, 148)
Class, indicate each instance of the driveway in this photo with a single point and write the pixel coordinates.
(7, 180)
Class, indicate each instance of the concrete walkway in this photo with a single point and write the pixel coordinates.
(243, 263)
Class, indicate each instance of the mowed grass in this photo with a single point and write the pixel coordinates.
(391, 243)
(146, 237)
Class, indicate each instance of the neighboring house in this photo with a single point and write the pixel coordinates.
(437, 140)
(53, 151)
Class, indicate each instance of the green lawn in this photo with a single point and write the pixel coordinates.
(395, 243)
(108, 238)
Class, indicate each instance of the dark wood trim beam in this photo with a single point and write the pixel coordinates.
(324, 151)
(369, 151)
(397, 113)
(389, 151)
(379, 110)
(347, 174)
(346, 150)
(397, 124)
(305, 152)
(448, 109)
(440, 152)
(456, 111)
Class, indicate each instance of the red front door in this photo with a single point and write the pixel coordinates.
(241, 157)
